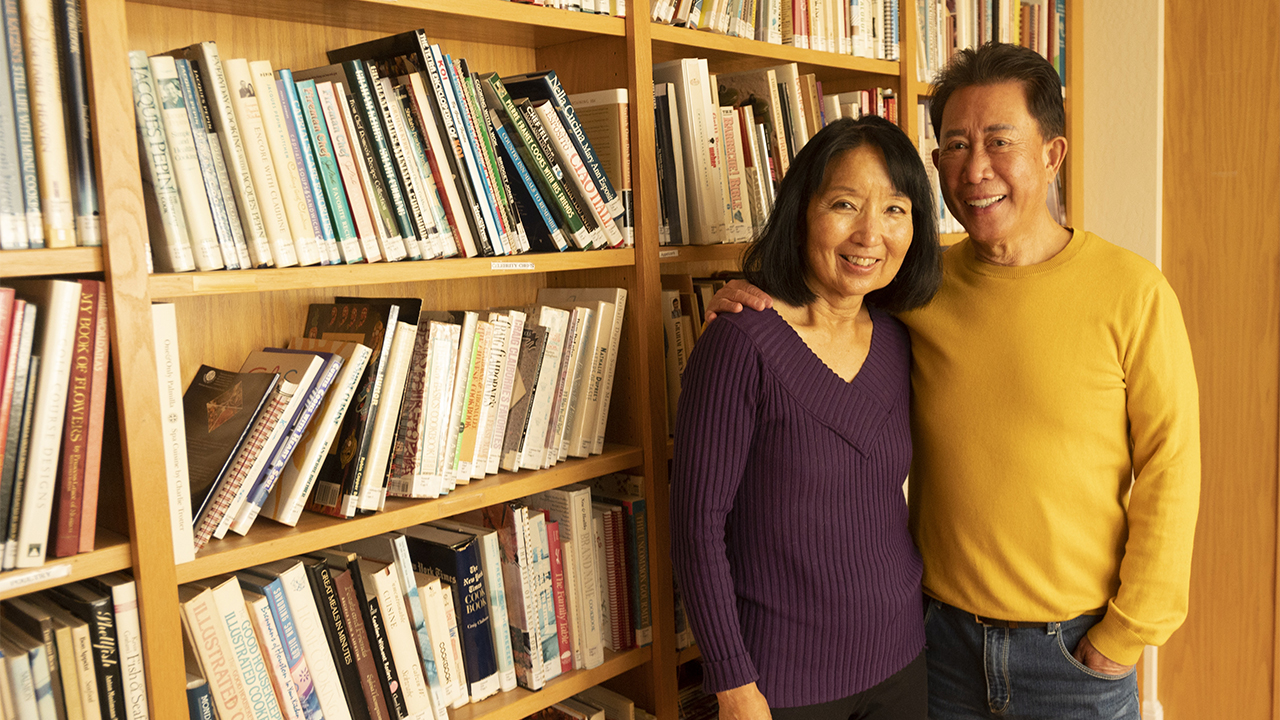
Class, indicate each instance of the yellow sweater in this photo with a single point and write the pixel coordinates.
(1038, 392)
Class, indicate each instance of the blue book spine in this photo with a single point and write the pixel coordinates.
(466, 134)
(273, 591)
(460, 566)
(530, 190)
(404, 566)
(199, 702)
(295, 122)
(540, 571)
(330, 181)
(22, 118)
(200, 134)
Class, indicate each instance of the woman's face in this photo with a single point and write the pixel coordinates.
(859, 227)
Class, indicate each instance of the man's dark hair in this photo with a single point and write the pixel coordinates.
(995, 63)
(776, 262)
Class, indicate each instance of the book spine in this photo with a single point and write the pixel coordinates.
(491, 557)
(510, 369)
(199, 702)
(366, 104)
(79, 129)
(329, 605)
(404, 449)
(606, 393)
(174, 253)
(277, 121)
(540, 576)
(48, 124)
(559, 597)
(495, 361)
(533, 445)
(380, 116)
(212, 644)
(349, 185)
(299, 673)
(429, 482)
(186, 165)
(273, 654)
(473, 400)
(299, 148)
(315, 648)
(86, 676)
(339, 212)
(246, 651)
(209, 174)
(387, 676)
(258, 154)
(173, 430)
(440, 240)
(234, 214)
(75, 441)
(390, 243)
(205, 56)
(25, 133)
(400, 639)
(20, 378)
(486, 193)
(384, 420)
(638, 556)
(424, 116)
(352, 617)
(461, 376)
(13, 226)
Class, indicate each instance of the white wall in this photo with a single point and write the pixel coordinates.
(1124, 122)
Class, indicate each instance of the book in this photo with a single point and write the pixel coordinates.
(273, 654)
(199, 701)
(13, 216)
(95, 609)
(449, 672)
(301, 471)
(512, 524)
(702, 156)
(72, 470)
(33, 655)
(540, 575)
(339, 212)
(382, 586)
(124, 604)
(44, 85)
(228, 598)
(559, 594)
(614, 705)
(276, 620)
(80, 655)
(352, 604)
(166, 219)
(22, 372)
(173, 430)
(329, 604)
(332, 99)
(626, 492)
(196, 117)
(209, 641)
(573, 164)
(605, 121)
(570, 507)
(533, 445)
(38, 624)
(59, 302)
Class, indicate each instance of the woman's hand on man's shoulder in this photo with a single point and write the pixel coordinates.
(735, 295)
(743, 703)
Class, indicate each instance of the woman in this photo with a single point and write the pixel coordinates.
(789, 525)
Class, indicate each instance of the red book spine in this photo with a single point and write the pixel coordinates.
(12, 325)
(628, 630)
(558, 593)
(97, 415)
(360, 647)
(75, 425)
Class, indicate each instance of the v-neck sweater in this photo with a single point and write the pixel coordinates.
(788, 520)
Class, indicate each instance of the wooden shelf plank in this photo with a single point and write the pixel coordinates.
(498, 22)
(921, 89)
(176, 285)
(701, 253)
(269, 541)
(112, 553)
(688, 654)
(730, 54)
(63, 261)
(521, 703)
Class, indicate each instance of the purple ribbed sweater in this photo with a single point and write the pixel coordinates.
(788, 522)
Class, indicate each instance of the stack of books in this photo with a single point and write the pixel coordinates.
(48, 196)
(53, 393)
(946, 27)
(377, 398)
(616, 8)
(74, 651)
(411, 623)
(596, 703)
(725, 141)
(863, 28)
(396, 151)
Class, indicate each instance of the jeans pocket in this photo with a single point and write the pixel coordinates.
(1081, 667)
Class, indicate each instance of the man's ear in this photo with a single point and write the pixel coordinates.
(935, 158)
(1055, 153)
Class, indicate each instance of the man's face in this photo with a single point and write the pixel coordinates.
(994, 164)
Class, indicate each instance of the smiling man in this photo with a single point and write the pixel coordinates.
(1056, 474)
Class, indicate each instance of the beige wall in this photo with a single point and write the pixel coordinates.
(1123, 122)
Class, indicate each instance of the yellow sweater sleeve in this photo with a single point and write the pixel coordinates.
(1163, 408)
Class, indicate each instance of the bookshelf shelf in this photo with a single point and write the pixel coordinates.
(680, 254)
(177, 285)
(688, 654)
(730, 54)
(498, 22)
(26, 263)
(112, 553)
(921, 89)
(269, 541)
(521, 702)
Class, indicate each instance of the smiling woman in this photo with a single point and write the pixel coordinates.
(789, 526)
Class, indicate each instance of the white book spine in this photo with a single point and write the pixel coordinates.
(438, 629)
(556, 321)
(288, 174)
(400, 634)
(205, 55)
(173, 429)
(455, 645)
(574, 601)
(289, 497)
(574, 166)
(450, 470)
(248, 655)
(606, 389)
(59, 302)
(258, 155)
(735, 173)
(174, 252)
(580, 368)
(86, 673)
(499, 336)
(44, 85)
(384, 427)
(124, 599)
(583, 438)
(342, 153)
(186, 165)
(491, 556)
(444, 363)
(390, 246)
(508, 385)
(417, 618)
(315, 646)
(273, 654)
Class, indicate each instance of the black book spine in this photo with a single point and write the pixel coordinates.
(387, 675)
(100, 616)
(335, 629)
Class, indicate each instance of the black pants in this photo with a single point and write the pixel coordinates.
(902, 696)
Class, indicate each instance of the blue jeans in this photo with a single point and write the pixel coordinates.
(980, 671)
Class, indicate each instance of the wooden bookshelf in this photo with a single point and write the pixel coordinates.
(688, 654)
(222, 314)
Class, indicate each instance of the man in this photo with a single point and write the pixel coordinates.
(1055, 482)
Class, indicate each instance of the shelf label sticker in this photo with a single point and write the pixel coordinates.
(668, 253)
(500, 265)
(52, 572)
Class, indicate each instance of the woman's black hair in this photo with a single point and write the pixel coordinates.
(775, 261)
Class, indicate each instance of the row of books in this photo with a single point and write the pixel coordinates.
(395, 151)
(54, 344)
(412, 623)
(379, 398)
(684, 303)
(864, 28)
(47, 193)
(74, 652)
(725, 141)
(596, 703)
(617, 8)
(951, 25)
